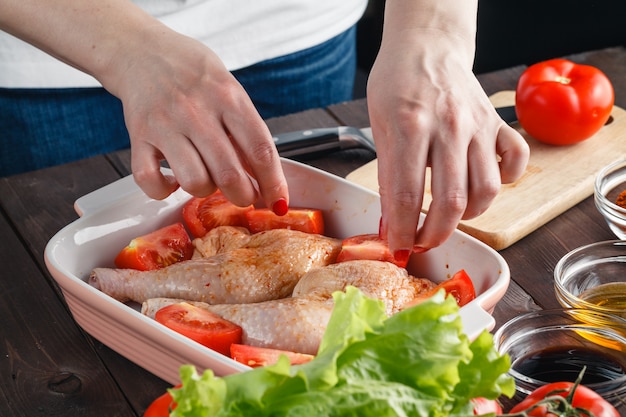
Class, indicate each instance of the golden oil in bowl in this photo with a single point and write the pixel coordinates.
(593, 277)
(611, 296)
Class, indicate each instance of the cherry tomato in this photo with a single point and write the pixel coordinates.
(254, 356)
(160, 407)
(202, 214)
(584, 399)
(200, 325)
(367, 246)
(302, 219)
(560, 103)
(157, 249)
(484, 406)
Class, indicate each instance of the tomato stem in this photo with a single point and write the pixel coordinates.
(557, 405)
(563, 80)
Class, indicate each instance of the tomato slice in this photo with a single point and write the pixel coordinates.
(202, 214)
(157, 249)
(303, 219)
(200, 325)
(460, 286)
(255, 356)
(160, 407)
(367, 246)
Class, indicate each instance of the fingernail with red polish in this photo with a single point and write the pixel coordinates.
(419, 249)
(280, 207)
(402, 255)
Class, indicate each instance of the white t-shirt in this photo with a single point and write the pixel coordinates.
(241, 32)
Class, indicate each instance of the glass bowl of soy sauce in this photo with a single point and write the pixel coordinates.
(556, 345)
(593, 277)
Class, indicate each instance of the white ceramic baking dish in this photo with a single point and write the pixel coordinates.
(113, 215)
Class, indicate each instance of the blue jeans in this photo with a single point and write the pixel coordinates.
(45, 127)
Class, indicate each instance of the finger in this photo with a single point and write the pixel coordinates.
(514, 152)
(449, 188)
(146, 168)
(402, 192)
(189, 168)
(221, 157)
(484, 177)
(261, 159)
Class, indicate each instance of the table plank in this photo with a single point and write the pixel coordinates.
(48, 367)
(40, 204)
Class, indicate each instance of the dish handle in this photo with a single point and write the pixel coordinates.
(109, 194)
(475, 320)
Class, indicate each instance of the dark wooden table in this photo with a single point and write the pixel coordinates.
(50, 367)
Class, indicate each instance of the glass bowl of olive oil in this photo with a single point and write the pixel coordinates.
(593, 277)
(556, 345)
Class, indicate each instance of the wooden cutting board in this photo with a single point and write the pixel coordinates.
(556, 179)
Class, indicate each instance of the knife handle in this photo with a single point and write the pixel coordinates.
(307, 141)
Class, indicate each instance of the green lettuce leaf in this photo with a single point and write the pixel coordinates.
(417, 362)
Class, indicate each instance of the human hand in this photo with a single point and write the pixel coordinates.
(182, 105)
(427, 109)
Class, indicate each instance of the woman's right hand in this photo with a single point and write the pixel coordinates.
(180, 102)
(182, 105)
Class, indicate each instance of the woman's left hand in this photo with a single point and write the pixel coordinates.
(427, 109)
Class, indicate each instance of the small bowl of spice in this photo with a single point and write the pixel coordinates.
(556, 345)
(593, 277)
(610, 196)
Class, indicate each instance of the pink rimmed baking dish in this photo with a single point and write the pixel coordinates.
(111, 216)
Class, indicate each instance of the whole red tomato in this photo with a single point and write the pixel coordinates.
(586, 401)
(560, 103)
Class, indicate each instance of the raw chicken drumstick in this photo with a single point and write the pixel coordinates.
(298, 323)
(267, 267)
(295, 324)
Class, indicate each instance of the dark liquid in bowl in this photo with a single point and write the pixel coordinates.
(565, 364)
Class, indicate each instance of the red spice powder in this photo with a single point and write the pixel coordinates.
(621, 199)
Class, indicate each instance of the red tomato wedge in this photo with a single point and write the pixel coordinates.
(367, 246)
(160, 407)
(202, 214)
(460, 286)
(157, 249)
(254, 356)
(302, 219)
(200, 325)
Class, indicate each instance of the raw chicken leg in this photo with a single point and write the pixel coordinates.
(298, 323)
(266, 268)
(295, 324)
(382, 280)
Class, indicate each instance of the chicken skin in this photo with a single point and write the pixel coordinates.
(266, 267)
(381, 280)
(298, 323)
(295, 324)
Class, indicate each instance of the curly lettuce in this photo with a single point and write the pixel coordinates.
(417, 362)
